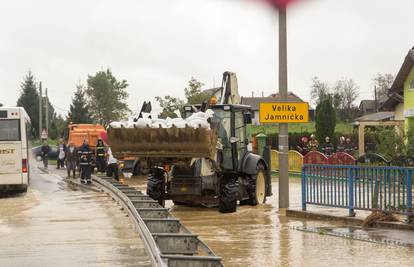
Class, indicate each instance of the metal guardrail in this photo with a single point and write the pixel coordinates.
(358, 188)
(167, 241)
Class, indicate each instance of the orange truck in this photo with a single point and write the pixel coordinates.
(79, 132)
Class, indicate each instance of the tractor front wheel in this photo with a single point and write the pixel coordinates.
(256, 187)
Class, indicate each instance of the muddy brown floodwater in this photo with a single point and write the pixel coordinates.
(55, 225)
(258, 236)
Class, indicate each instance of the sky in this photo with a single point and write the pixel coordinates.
(158, 45)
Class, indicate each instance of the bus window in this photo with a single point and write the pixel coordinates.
(9, 130)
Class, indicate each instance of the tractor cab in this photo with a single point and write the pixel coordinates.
(229, 122)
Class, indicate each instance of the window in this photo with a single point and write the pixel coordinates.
(412, 84)
(240, 133)
(9, 130)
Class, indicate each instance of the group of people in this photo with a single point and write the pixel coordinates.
(84, 157)
(311, 144)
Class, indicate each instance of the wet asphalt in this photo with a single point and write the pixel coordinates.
(54, 224)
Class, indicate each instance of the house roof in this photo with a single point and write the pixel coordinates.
(391, 102)
(378, 116)
(367, 104)
(254, 102)
(408, 64)
(212, 91)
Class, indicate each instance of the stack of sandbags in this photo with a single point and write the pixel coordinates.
(196, 120)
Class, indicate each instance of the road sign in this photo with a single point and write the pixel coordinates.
(284, 112)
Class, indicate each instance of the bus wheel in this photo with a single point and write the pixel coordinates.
(21, 188)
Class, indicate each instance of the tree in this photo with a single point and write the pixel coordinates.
(319, 90)
(57, 127)
(325, 120)
(29, 100)
(193, 92)
(169, 105)
(346, 92)
(107, 97)
(390, 143)
(383, 83)
(79, 110)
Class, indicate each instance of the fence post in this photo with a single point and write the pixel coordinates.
(304, 193)
(261, 143)
(351, 192)
(408, 173)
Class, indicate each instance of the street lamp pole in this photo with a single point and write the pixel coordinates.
(283, 127)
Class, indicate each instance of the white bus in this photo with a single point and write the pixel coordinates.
(15, 132)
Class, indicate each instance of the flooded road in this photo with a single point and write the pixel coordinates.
(54, 225)
(257, 236)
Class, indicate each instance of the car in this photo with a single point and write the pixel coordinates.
(37, 153)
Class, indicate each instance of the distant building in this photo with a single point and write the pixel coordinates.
(367, 107)
(254, 102)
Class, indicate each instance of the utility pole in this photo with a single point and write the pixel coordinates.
(47, 111)
(283, 127)
(376, 101)
(40, 109)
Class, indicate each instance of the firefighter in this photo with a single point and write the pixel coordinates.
(100, 156)
(85, 162)
(327, 148)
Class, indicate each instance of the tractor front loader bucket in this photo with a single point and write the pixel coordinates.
(163, 142)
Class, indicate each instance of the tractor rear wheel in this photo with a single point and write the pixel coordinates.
(256, 187)
(228, 196)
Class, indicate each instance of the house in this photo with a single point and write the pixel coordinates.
(401, 93)
(367, 107)
(397, 109)
(254, 102)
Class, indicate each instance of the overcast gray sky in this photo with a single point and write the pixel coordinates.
(157, 45)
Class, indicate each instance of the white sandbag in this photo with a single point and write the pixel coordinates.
(180, 124)
(176, 122)
(129, 124)
(143, 123)
(197, 122)
(205, 115)
(159, 124)
(116, 124)
(209, 113)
